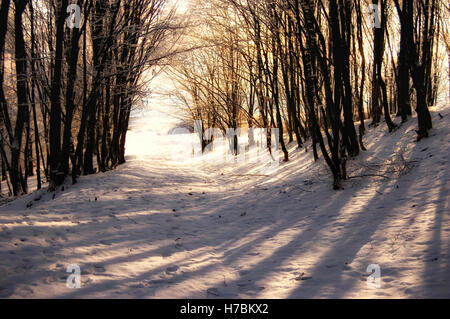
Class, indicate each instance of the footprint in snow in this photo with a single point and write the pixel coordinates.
(172, 269)
(213, 292)
(302, 277)
(48, 253)
(99, 268)
(157, 282)
(138, 286)
(253, 254)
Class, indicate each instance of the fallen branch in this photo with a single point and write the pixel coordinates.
(368, 175)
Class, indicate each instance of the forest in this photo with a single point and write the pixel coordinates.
(69, 78)
(319, 70)
(113, 182)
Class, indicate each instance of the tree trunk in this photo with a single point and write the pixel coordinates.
(22, 100)
(56, 176)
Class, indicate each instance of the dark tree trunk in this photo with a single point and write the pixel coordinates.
(311, 91)
(72, 61)
(22, 100)
(403, 98)
(56, 176)
(417, 63)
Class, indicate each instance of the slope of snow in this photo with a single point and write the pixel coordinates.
(199, 228)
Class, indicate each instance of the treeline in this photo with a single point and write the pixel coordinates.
(69, 76)
(315, 70)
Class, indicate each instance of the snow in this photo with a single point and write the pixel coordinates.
(202, 228)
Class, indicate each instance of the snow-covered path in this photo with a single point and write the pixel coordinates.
(155, 228)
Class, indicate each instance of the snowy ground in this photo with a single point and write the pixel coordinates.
(156, 228)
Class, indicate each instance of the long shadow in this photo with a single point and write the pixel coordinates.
(88, 236)
(359, 233)
(437, 261)
(276, 260)
(230, 256)
(225, 216)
